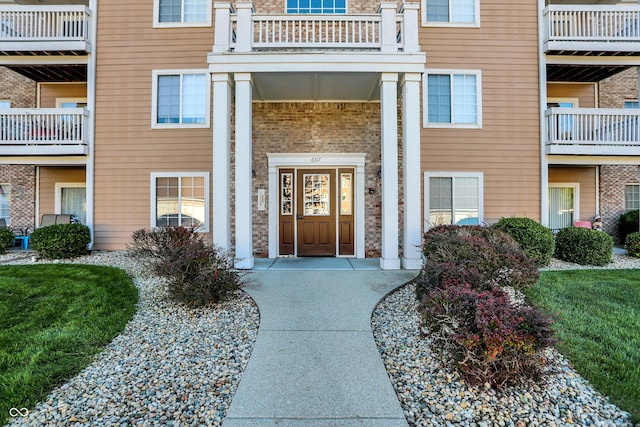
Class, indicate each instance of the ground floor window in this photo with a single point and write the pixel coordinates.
(180, 199)
(71, 198)
(454, 198)
(631, 197)
(5, 202)
(563, 205)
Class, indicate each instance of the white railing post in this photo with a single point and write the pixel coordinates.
(244, 36)
(410, 27)
(388, 27)
(222, 32)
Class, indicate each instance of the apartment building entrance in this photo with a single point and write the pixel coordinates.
(316, 211)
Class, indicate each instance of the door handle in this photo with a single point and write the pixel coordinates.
(299, 216)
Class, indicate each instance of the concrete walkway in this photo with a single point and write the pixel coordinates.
(315, 362)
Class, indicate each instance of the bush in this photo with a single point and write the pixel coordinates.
(490, 253)
(435, 275)
(7, 238)
(491, 340)
(627, 224)
(61, 240)
(584, 246)
(535, 239)
(632, 244)
(198, 273)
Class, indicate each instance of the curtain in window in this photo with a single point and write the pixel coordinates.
(631, 197)
(438, 10)
(439, 99)
(168, 99)
(561, 207)
(195, 11)
(5, 203)
(465, 98)
(463, 11)
(170, 11)
(193, 103)
(73, 201)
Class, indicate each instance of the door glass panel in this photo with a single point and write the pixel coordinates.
(286, 197)
(345, 194)
(561, 207)
(73, 202)
(316, 194)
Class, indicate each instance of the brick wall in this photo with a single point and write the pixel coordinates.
(22, 184)
(613, 179)
(319, 128)
(614, 91)
(20, 90)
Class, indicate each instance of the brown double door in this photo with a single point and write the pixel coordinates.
(311, 219)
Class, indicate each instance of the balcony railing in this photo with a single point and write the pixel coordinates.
(593, 131)
(592, 28)
(43, 131)
(390, 30)
(43, 28)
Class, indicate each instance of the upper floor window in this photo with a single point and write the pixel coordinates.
(451, 12)
(182, 13)
(180, 99)
(453, 99)
(317, 6)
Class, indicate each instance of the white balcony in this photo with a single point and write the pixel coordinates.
(44, 29)
(593, 131)
(43, 131)
(387, 31)
(592, 29)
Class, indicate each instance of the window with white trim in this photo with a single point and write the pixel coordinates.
(317, 6)
(182, 13)
(180, 99)
(453, 99)
(180, 198)
(451, 13)
(631, 197)
(5, 202)
(454, 198)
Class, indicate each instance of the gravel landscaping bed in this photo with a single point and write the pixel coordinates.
(432, 393)
(170, 365)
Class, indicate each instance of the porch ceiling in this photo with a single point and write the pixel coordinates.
(52, 73)
(582, 73)
(316, 86)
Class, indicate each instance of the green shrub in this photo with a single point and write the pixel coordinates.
(61, 240)
(6, 239)
(535, 239)
(198, 273)
(584, 246)
(491, 253)
(627, 224)
(632, 243)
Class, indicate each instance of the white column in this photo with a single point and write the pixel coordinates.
(412, 232)
(388, 30)
(410, 27)
(244, 232)
(222, 29)
(389, 115)
(244, 31)
(221, 160)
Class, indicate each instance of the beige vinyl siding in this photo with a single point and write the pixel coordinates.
(127, 149)
(48, 176)
(49, 92)
(584, 92)
(507, 148)
(586, 177)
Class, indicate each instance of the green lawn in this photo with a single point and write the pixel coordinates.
(598, 325)
(53, 319)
